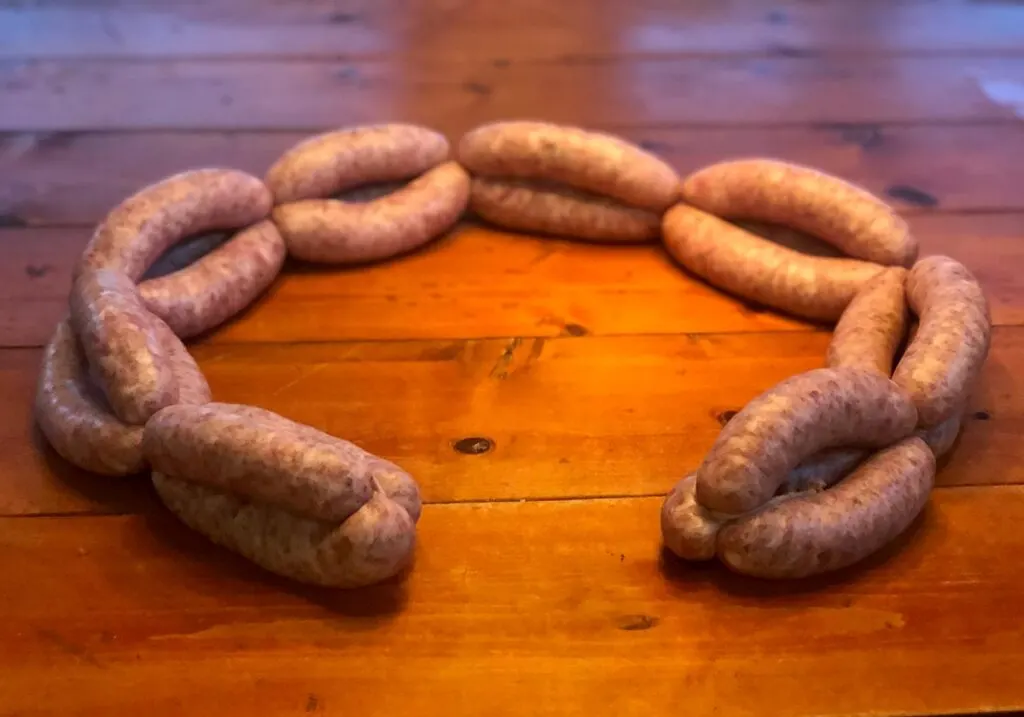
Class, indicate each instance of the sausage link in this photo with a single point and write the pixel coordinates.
(332, 231)
(75, 418)
(193, 389)
(824, 206)
(134, 235)
(334, 162)
(804, 414)
(372, 545)
(592, 161)
(125, 355)
(822, 470)
(533, 206)
(754, 268)
(818, 532)
(941, 364)
(870, 330)
(218, 285)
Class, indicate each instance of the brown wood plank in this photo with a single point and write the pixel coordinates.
(52, 178)
(566, 606)
(475, 29)
(453, 96)
(480, 283)
(565, 417)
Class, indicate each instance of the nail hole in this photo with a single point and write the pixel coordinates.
(576, 330)
(473, 446)
(982, 415)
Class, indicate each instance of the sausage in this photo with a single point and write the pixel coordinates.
(134, 235)
(689, 529)
(745, 265)
(124, 354)
(264, 457)
(818, 532)
(333, 162)
(375, 543)
(219, 285)
(941, 437)
(823, 470)
(532, 206)
(804, 414)
(870, 330)
(75, 418)
(336, 232)
(824, 206)
(592, 161)
(193, 389)
(941, 364)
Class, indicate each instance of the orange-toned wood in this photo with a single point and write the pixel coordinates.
(76, 178)
(482, 283)
(483, 29)
(454, 96)
(562, 418)
(560, 608)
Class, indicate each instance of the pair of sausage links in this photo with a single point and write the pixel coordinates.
(75, 417)
(802, 415)
(220, 284)
(134, 235)
(757, 269)
(869, 332)
(566, 181)
(320, 229)
(816, 532)
(824, 206)
(945, 357)
(535, 206)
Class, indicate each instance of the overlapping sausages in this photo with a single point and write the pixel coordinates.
(814, 475)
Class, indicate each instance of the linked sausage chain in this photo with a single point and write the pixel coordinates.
(813, 475)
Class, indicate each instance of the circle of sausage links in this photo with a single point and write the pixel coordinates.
(790, 488)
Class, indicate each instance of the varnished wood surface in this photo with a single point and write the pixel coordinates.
(545, 394)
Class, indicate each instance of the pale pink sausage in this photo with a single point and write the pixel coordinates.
(802, 415)
(336, 232)
(124, 353)
(870, 330)
(822, 205)
(193, 389)
(536, 207)
(942, 363)
(941, 437)
(816, 532)
(334, 162)
(746, 265)
(145, 225)
(687, 528)
(218, 285)
(592, 161)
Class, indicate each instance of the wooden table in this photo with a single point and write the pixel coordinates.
(596, 376)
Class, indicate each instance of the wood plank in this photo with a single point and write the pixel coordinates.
(562, 417)
(51, 178)
(454, 96)
(479, 283)
(527, 29)
(569, 603)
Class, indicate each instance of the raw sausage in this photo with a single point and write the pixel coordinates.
(751, 267)
(193, 389)
(827, 207)
(592, 161)
(870, 330)
(334, 162)
(145, 225)
(823, 470)
(374, 544)
(337, 232)
(941, 364)
(941, 437)
(817, 532)
(804, 414)
(124, 353)
(688, 529)
(218, 285)
(532, 206)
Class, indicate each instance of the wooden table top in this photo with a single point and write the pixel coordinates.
(596, 375)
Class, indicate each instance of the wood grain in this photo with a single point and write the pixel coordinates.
(453, 96)
(569, 603)
(480, 283)
(562, 418)
(52, 178)
(481, 29)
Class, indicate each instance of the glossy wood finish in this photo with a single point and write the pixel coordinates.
(544, 393)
